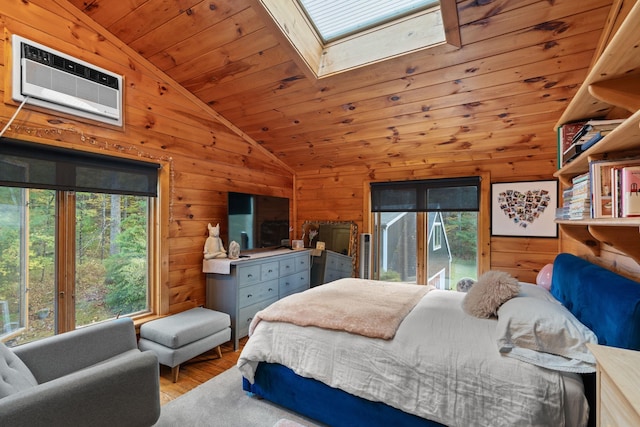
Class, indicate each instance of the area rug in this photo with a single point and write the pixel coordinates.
(222, 402)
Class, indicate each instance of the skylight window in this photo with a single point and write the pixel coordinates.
(334, 19)
(334, 36)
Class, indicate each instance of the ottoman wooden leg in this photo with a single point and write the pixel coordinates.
(174, 373)
(219, 350)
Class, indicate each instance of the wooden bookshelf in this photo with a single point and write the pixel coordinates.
(612, 90)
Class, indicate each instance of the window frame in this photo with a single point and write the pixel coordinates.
(319, 60)
(437, 236)
(484, 222)
(157, 251)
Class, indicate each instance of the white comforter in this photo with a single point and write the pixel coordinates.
(442, 365)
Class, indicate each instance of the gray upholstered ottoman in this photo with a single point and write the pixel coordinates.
(183, 336)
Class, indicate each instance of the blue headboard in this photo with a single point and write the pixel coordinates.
(605, 302)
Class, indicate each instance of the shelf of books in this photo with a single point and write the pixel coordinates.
(624, 138)
(599, 149)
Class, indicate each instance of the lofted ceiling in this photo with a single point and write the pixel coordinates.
(496, 97)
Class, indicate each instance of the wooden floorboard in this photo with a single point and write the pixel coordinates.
(197, 371)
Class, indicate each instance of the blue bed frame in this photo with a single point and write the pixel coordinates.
(607, 303)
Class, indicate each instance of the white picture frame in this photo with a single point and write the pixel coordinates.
(524, 209)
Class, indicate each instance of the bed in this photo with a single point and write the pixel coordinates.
(345, 379)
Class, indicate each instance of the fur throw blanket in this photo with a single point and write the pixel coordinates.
(366, 307)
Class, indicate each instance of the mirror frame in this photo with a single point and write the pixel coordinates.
(353, 233)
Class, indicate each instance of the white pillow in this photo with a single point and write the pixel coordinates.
(535, 291)
(544, 333)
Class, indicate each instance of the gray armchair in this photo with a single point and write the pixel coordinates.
(94, 376)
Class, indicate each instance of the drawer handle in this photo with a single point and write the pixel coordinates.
(270, 289)
(249, 319)
(286, 283)
(249, 296)
(270, 271)
(249, 275)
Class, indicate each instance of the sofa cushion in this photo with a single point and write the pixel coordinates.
(14, 374)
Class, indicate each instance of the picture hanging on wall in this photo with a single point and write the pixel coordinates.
(524, 209)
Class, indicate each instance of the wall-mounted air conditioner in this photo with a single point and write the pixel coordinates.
(366, 258)
(51, 79)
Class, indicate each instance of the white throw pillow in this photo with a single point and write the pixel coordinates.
(14, 374)
(545, 334)
(535, 291)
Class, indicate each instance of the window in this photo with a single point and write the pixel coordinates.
(436, 235)
(426, 231)
(336, 19)
(368, 31)
(75, 239)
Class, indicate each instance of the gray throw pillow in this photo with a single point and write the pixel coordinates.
(14, 374)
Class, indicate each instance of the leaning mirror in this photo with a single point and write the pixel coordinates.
(338, 236)
(336, 258)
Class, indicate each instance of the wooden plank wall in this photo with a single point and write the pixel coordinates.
(338, 195)
(163, 123)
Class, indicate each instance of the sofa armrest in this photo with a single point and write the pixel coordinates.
(62, 354)
(120, 392)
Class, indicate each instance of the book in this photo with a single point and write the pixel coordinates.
(602, 186)
(566, 132)
(615, 191)
(630, 191)
(576, 199)
(589, 134)
(593, 126)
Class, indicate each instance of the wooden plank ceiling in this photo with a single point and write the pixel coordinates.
(497, 97)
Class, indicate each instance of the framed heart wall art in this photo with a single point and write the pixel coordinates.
(524, 209)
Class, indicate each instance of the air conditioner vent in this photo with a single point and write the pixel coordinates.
(60, 82)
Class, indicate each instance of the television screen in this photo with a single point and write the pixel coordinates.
(257, 221)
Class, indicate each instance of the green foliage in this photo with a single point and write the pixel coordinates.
(390, 276)
(126, 284)
(127, 268)
(110, 259)
(462, 233)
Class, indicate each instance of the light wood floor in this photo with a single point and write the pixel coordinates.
(197, 371)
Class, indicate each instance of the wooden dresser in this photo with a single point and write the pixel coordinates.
(251, 284)
(618, 386)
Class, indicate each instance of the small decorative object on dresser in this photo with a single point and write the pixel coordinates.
(234, 250)
(213, 247)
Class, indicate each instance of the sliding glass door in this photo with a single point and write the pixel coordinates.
(426, 231)
(75, 233)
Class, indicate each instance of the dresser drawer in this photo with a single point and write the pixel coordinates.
(253, 294)
(339, 264)
(331, 275)
(269, 271)
(287, 266)
(302, 262)
(248, 274)
(294, 283)
(245, 316)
